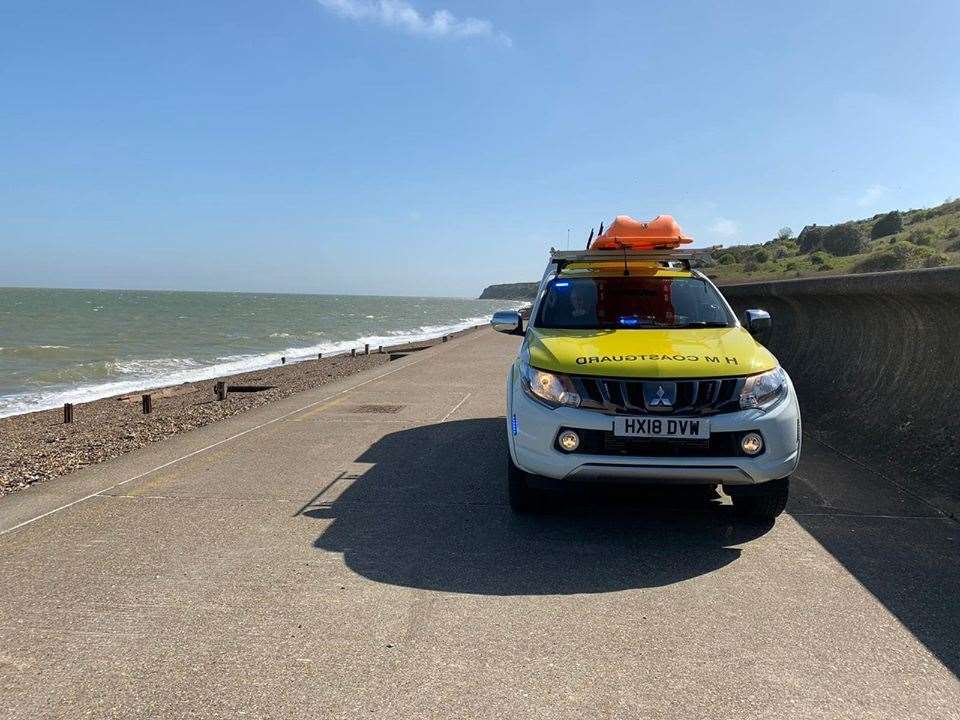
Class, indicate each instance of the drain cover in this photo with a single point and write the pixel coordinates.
(377, 409)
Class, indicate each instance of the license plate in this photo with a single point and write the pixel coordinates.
(662, 427)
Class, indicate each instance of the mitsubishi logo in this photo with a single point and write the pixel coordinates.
(661, 398)
(660, 395)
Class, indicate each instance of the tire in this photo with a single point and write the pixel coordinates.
(522, 498)
(761, 502)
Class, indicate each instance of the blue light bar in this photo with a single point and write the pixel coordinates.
(565, 283)
(628, 321)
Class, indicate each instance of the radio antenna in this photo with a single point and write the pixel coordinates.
(626, 270)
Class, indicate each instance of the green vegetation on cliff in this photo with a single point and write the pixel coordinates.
(894, 240)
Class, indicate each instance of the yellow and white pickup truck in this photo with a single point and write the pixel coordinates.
(634, 368)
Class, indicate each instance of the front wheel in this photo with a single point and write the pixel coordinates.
(522, 498)
(760, 502)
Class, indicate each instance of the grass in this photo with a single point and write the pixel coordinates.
(930, 237)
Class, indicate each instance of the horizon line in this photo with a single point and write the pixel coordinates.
(231, 292)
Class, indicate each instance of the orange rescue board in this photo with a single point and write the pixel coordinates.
(625, 232)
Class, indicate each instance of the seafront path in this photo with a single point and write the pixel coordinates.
(349, 552)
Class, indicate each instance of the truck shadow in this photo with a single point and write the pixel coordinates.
(431, 512)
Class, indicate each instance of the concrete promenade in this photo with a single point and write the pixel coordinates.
(349, 552)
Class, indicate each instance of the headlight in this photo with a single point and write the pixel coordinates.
(763, 391)
(553, 390)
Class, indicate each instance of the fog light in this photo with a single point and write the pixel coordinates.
(569, 440)
(752, 443)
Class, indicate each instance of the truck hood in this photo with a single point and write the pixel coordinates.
(686, 353)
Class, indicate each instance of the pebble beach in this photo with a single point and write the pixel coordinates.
(39, 446)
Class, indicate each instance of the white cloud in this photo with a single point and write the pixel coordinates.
(401, 15)
(871, 195)
(725, 228)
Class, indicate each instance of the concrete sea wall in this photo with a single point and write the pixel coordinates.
(876, 362)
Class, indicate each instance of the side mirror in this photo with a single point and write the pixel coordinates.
(757, 322)
(507, 321)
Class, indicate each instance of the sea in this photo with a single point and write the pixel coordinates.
(60, 346)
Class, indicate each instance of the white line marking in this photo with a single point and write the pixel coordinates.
(455, 407)
(220, 442)
(938, 518)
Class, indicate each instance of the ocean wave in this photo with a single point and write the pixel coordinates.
(83, 373)
(156, 367)
(33, 349)
(145, 374)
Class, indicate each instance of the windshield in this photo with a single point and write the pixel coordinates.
(632, 302)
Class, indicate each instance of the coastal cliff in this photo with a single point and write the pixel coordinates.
(510, 291)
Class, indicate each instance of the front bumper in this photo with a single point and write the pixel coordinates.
(532, 430)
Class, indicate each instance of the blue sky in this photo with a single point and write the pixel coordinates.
(436, 146)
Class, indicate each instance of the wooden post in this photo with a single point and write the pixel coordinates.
(220, 389)
(445, 338)
(353, 352)
(283, 360)
(147, 404)
(380, 349)
(366, 348)
(67, 413)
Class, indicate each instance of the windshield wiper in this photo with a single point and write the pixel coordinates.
(701, 324)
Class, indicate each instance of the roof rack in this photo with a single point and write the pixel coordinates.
(563, 258)
(617, 254)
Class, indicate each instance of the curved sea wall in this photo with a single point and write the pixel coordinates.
(876, 362)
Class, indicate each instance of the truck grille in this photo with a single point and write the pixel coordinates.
(688, 397)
